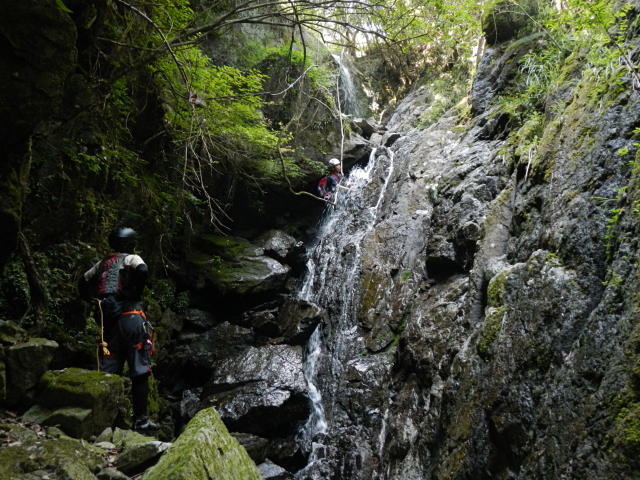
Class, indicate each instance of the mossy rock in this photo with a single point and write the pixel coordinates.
(11, 333)
(233, 265)
(496, 288)
(101, 393)
(490, 330)
(26, 362)
(60, 457)
(205, 450)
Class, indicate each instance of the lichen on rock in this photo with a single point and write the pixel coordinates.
(205, 450)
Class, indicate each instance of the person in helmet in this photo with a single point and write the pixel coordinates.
(117, 282)
(328, 185)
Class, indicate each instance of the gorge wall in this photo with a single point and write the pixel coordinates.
(484, 325)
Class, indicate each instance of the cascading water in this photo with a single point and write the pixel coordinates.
(331, 282)
(347, 87)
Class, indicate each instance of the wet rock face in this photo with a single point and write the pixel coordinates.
(483, 322)
(261, 391)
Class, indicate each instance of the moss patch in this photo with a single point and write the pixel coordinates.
(205, 450)
(496, 289)
(490, 329)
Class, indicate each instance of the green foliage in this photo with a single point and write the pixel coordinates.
(579, 33)
(163, 291)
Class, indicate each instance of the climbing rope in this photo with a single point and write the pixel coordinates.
(102, 345)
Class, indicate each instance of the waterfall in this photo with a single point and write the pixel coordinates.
(347, 88)
(332, 283)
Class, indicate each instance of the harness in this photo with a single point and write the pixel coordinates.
(149, 342)
(109, 276)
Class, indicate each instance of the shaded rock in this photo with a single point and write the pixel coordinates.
(506, 18)
(84, 402)
(105, 436)
(271, 471)
(3, 382)
(255, 446)
(365, 126)
(234, 266)
(111, 473)
(123, 438)
(136, 456)
(262, 390)
(277, 244)
(189, 404)
(390, 138)
(355, 148)
(26, 362)
(72, 420)
(498, 65)
(200, 350)
(205, 450)
(105, 445)
(199, 320)
(11, 333)
(38, 43)
(293, 321)
(298, 319)
(26, 453)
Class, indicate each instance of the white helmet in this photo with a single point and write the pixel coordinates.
(334, 161)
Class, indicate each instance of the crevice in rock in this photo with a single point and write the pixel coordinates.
(440, 269)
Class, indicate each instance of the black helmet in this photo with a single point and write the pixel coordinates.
(123, 239)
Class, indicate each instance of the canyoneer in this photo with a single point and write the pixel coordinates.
(116, 283)
(328, 185)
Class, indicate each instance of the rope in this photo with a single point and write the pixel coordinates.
(102, 344)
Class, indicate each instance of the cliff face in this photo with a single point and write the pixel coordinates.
(488, 326)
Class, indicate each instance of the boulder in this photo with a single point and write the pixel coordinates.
(232, 265)
(200, 350)
(271, 471)
(262, 390)
(355, 148)
(255, 446)
(293, 320)
(277, 244)
(82, 402)
(26, 362)
(198, 320)
(111, 473)
(204, 450)
(25, 452)
(11, 333)
(365, 126)
(139, 454)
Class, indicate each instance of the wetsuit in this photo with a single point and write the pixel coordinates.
(117, 282)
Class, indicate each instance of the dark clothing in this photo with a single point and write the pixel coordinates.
(328, 185)
(128, 341)
(117, 282)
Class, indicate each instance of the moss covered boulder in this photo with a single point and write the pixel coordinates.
(33, 454)
(205, 450)
(82, 402)
(26, 362)
(233, 265)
